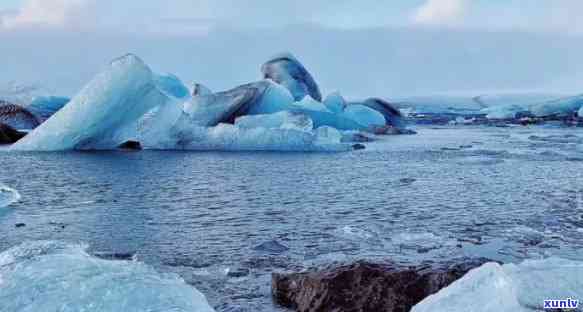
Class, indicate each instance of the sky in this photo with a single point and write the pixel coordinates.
(362, 48)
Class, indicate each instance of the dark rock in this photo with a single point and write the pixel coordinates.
(365, 286)
(358, 146)
(272, 246)
(17, 116)
(9, 135)
(238, 272)
(125, 256)
(19, 225)
(131, 145)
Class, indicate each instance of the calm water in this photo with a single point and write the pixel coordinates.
(504, 193)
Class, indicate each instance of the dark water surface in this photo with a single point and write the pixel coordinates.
(503, 193)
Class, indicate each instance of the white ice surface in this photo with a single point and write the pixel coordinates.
(509, 288)
(54, 276)
(8, 196)
(103, 114)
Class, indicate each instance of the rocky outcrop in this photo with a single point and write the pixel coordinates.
(9, 135)
(365, 286)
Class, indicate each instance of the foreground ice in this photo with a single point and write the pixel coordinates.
(103, 114)
(510, 287)
(8, 196)
(54, 276)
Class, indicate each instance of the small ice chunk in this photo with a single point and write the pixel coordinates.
(510, 287)
(8, 196)
(503, 111)
(54, 276)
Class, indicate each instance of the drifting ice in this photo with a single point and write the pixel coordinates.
(53, 276)
(509, 288)
(8, 196)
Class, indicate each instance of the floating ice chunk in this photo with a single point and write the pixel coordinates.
(282, 120)
(53, 276)
(580, 112)
(335, 102)
(510, 287)
(364, 116)
(286, 70)
(171, 85)
(104, 114)
(562, 107)
(8, 196)
(503, 111)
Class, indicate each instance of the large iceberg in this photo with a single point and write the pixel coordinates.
(510, 287)
(285, 69)
(104, 114)
(54, 276)
(561, 107)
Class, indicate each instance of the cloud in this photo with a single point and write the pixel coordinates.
(440, 12)
(48, 14)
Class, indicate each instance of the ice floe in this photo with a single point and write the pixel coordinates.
(55, 276)
(510, 287)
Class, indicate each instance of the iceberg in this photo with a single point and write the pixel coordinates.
(285, 69)
(561, 107)
(44, 107)
(258, 98)
(510, 287)
(55, 276)
(392, 115)
(580, 112)
(102, 115)
(364, 116)
(509, 111)
(8, 196)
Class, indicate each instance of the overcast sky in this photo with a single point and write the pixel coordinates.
(363, 48)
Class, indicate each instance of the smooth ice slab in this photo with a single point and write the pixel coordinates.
(54, 276)
(102, 115)
(8, 196)
(509, 288)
